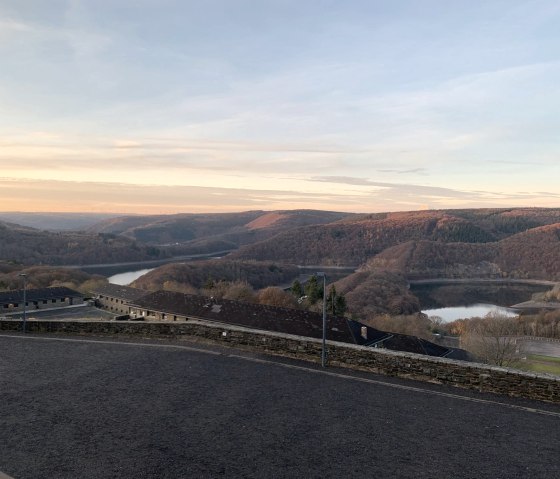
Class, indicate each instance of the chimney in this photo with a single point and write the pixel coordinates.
(363, 332)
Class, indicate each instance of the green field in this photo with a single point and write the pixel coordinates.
(541, 364)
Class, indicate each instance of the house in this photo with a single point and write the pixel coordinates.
(116, 298)
(38, 298)
(172, 306)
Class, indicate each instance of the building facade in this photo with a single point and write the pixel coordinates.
(38, 298)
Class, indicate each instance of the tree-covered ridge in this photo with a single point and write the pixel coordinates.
(30, 246)
(203, 233)
(47, 276)
(354, 240)
(534, 254)
(201, 274)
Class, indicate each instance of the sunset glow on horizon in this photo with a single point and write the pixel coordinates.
(222, 106)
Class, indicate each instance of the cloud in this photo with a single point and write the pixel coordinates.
(38, 195)
(409, 188)
(222, 145)
(404, 171)
(246, 97)
(8, 25)
(397, 193)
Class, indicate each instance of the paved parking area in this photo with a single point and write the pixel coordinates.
(79, 407)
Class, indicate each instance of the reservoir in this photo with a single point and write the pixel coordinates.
(125, 279)
(468, 300)
(472, 311)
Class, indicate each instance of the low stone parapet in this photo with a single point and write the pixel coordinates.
(461, 374)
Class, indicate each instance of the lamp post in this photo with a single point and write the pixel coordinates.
(24, 276)
(324, 348)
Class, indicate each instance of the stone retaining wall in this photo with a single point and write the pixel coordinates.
(406, 365)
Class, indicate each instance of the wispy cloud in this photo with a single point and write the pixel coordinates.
(404, 171)
(398, 192)
(123, 197)
(404, 106)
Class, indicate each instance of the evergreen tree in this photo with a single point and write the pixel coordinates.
(297, 289)
(209, 284)
(340, 305)
(336, 303)
(313, 290)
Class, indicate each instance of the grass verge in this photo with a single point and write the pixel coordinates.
(541, 364)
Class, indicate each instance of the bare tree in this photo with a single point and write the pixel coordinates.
(274, 296)
(493, 339)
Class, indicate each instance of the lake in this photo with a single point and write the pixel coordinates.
(125, 279)
(457, 301)
(472, 311)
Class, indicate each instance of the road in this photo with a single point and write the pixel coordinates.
(543, 348)
(110, 269)
(481, 280)
(77, 407)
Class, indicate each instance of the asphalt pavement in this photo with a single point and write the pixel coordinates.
(74, 407)
(544, 348)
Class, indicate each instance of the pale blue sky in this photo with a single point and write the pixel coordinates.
(165, 106)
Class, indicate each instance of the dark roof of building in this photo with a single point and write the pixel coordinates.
(257, 316)
(461, 354)
(394, 341)
(413, 344)
(38, 294)
(119, 291)
(284, 320)
(371, 337)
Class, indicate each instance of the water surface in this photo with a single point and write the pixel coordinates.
(125, 279)
(471, 311)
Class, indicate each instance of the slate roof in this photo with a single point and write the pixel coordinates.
(413, 344)
(395, 341)
(117, 291)
(38, 294)
(284, 320)
(257, 316)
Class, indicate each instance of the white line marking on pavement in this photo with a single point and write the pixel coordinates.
(125, 343)
(5, 476)
(402, 386)
(299, 368)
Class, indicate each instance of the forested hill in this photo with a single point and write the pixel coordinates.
(55, 221)
(534, 254)
(192, 276)
(30, 246)
(205, 233)
(354, 240)
(520, 242)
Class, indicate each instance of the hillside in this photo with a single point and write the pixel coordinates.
(204, 233)
(534, 254)
(30, 246)
(352, 241)
(46, 276)
(200, 273)
(368, 293)
(55, 221)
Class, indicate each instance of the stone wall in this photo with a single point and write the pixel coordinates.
(406, 365)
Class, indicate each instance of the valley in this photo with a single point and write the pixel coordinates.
(379, 262)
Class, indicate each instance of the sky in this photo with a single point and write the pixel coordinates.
(165, 106)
